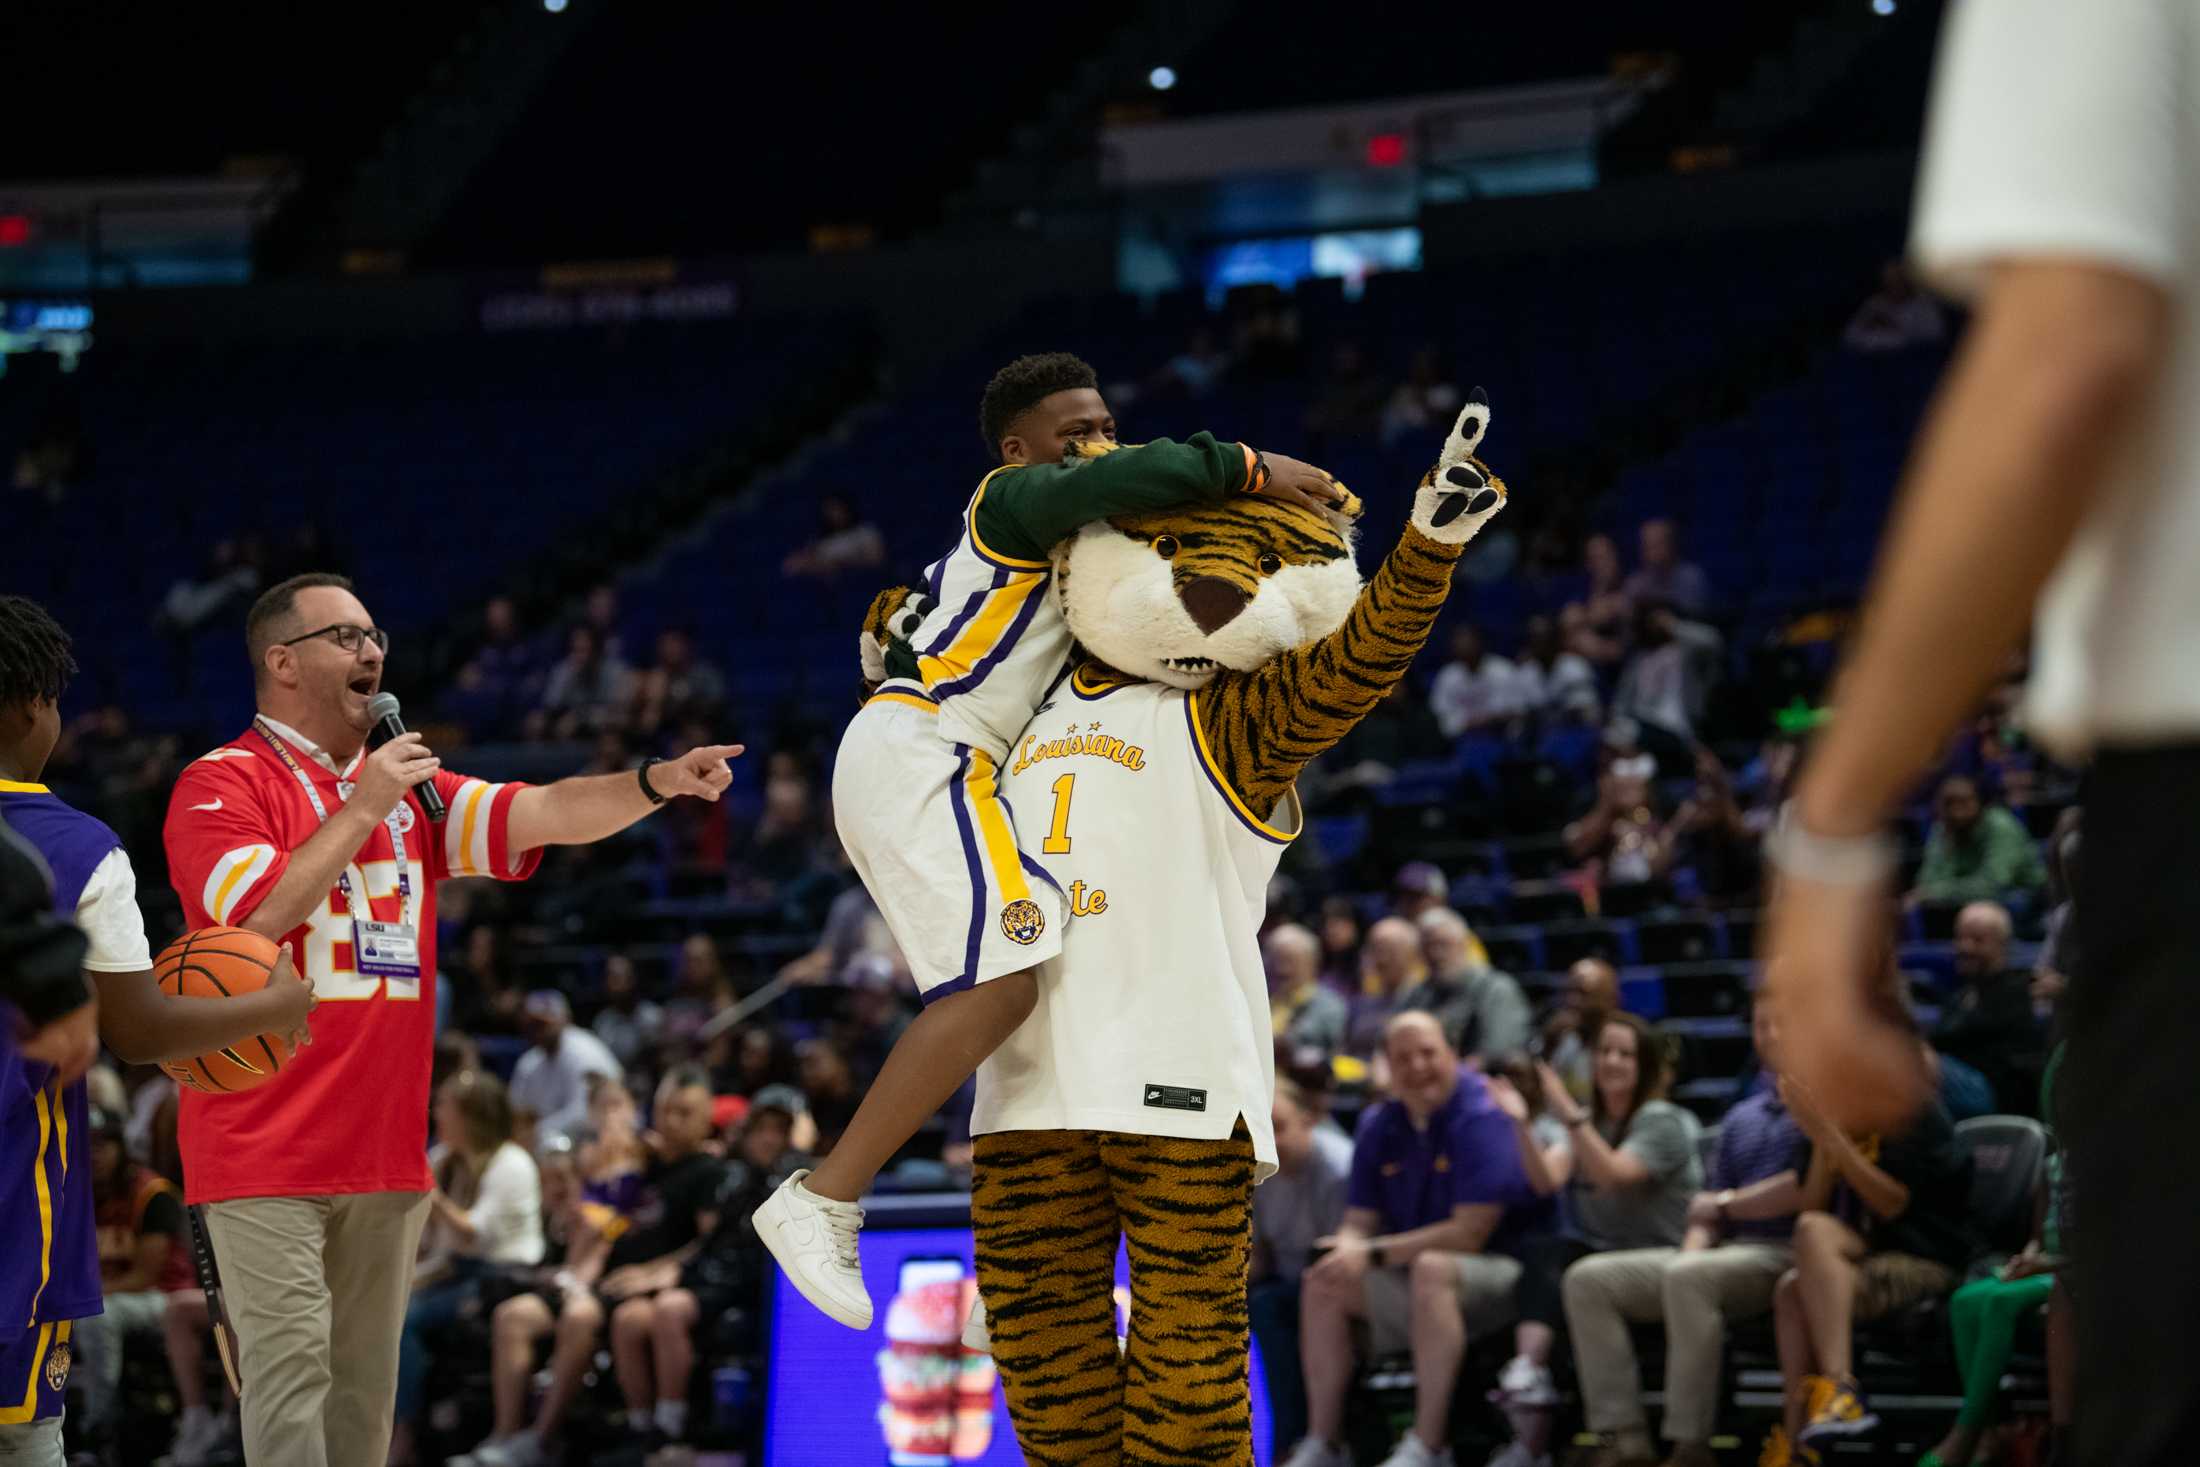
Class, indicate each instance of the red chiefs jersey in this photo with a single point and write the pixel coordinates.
(350, 1112)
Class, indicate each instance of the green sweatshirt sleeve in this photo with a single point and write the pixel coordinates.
(1028, 508)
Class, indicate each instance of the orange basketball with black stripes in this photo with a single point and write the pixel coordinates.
(215, 963)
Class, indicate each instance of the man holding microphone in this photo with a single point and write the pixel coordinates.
(316, 1186)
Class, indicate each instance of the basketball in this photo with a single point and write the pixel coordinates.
(217, 963)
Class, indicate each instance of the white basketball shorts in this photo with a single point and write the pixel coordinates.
(923, 821)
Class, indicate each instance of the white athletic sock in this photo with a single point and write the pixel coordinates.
(672, 1418)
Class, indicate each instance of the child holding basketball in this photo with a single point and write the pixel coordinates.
(45, 1164)
(915, 781)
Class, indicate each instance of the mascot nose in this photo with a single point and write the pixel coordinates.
(1213, 602)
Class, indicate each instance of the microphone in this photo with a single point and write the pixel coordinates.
(382, 708)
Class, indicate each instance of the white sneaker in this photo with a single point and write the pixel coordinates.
(1524, 1383)
(523, 1450)
(975, 1334)
(1313, 1453)
(1411, 1451)
(1516, 1454)
(196, 1439)
(814, 1239)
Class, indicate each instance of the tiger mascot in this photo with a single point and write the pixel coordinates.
(1221, 647)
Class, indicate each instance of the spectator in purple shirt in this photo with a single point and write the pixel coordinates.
(1435, 1214)
(1726, 1268)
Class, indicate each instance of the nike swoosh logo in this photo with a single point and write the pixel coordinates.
(210, 805)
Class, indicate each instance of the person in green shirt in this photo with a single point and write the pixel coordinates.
(1976, 852)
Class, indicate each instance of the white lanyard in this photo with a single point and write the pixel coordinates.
(343, 877)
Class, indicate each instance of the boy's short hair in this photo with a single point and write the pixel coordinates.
(35, 663)
(1023, 384)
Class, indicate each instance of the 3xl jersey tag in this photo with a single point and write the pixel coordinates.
(1175, 1097)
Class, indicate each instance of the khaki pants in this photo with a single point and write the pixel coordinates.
(316, 1288)
(1695, 1294)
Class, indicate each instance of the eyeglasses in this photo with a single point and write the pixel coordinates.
(348, 638)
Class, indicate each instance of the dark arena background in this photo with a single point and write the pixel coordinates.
(619, 353)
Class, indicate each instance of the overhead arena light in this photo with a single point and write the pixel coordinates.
(1161, 78)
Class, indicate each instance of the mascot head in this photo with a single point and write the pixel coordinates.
(1180, 595)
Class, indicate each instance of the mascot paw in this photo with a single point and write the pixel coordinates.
(1460, 494)
(893, 618)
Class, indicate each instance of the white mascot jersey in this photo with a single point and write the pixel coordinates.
(1165, 1030)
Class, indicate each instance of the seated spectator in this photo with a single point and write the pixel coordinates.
(586, 693)
(1733, 1255)
(600, 614)
(1340, 934)
(484, 1214)
(1976, 852)
(1883, 1223)
(1896, 316)
(1664, 577)
(702, 989)
(1598, 626)
(611, 1160)
(1635, 1167)
(1550, 683)
(1987, 1022)
(1590, 995)
(628, 1024)
(829, 1091)
(1391, 967)
(1666, 685)
(1620, 840)
(1426, 400)
(1476, 690)
(880, 1005)
(144, 1259)
(224, 583)
(1483, 1011)
(853, 929)
(1307, 1014)
(1711, 837)
(1302, 1202)
(491, 1000)
(502, 681)
(784, 856)
(1418, 889)
(2058, 957)
(681, 686)
(844, 542)
(202, 1434)
(677, 1205)
(552, 1076)
(654, 1338)
(1984, 1313)
(1436, 1212)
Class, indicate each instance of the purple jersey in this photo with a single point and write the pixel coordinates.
(45, 1160)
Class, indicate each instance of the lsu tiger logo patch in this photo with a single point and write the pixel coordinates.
(1022, 921)
(57, 1366)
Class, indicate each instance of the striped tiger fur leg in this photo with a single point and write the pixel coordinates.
(1046, 1227)
(1187, 1210)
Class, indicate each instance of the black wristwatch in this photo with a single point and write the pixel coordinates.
(642, 774)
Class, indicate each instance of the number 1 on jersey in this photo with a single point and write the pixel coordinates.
(1057, 841)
